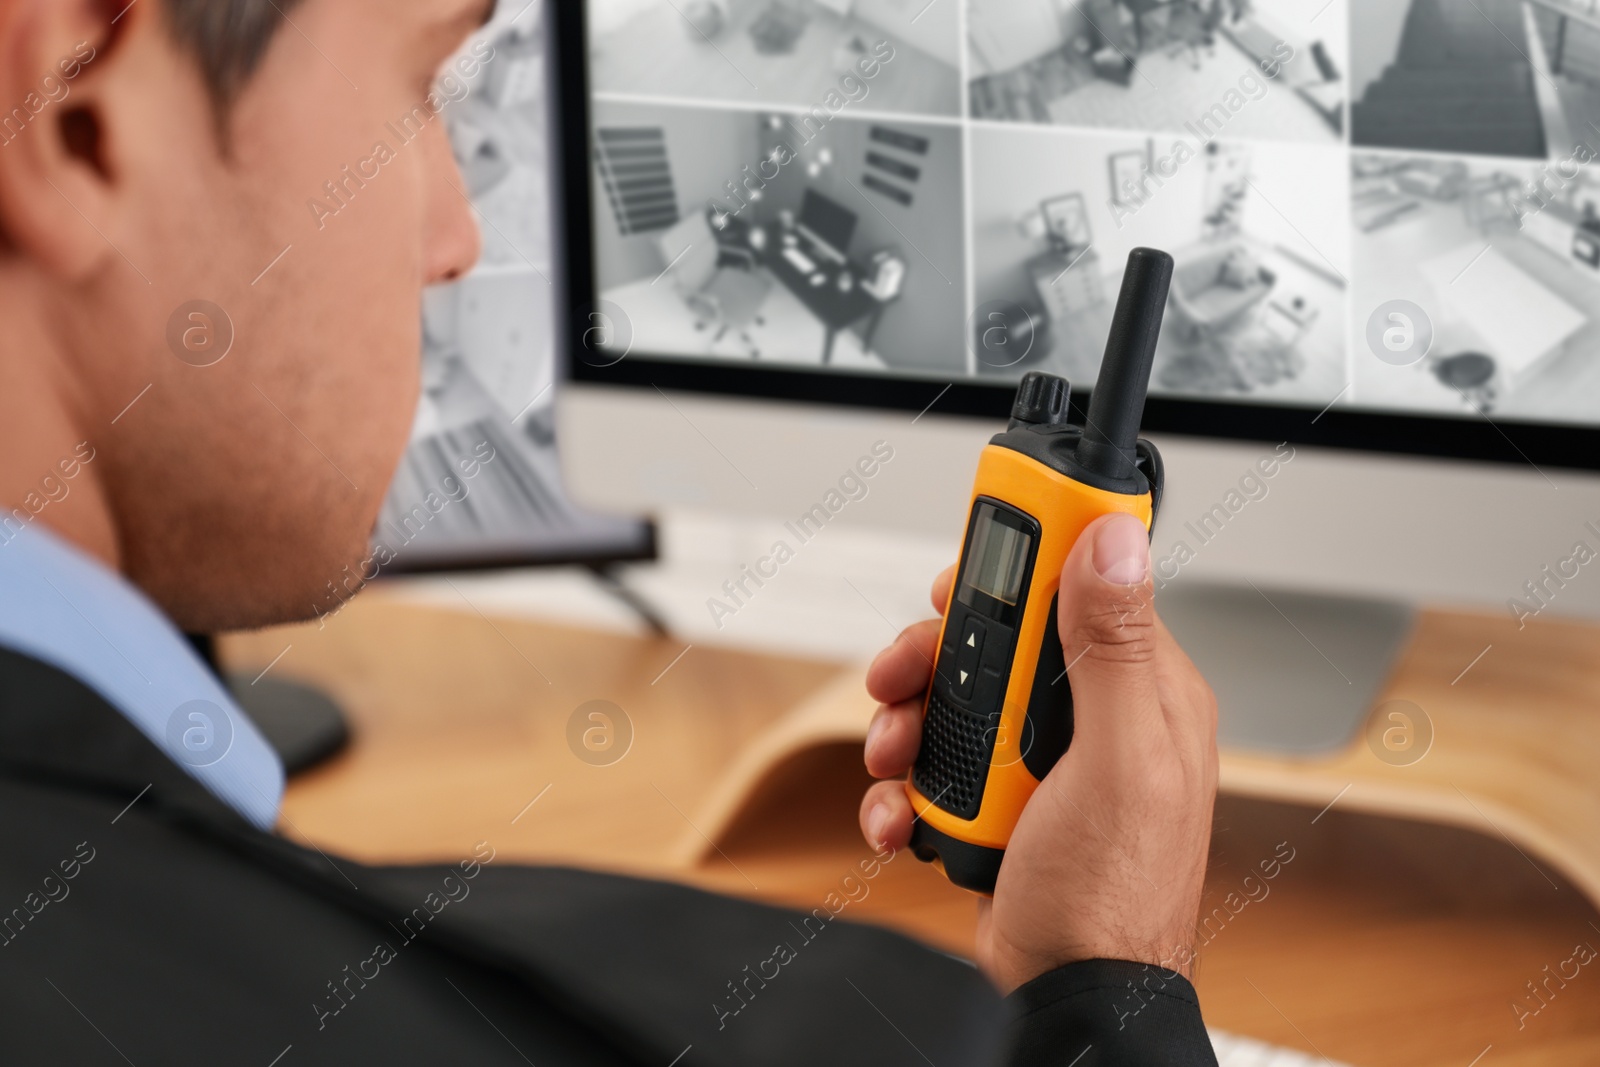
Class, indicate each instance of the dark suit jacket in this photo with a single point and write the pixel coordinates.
(142, 921)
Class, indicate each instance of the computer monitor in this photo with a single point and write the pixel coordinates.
(827, 223)
(1360, 285)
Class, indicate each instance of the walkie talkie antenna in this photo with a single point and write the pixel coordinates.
(1111, 431)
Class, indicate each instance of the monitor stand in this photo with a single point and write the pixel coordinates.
(302, 724)
(1294, 673)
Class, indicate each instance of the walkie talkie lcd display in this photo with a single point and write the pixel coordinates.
(999, 711)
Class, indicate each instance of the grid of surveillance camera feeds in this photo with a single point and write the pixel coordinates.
(1376, 204)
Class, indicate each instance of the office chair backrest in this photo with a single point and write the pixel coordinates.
(692, 240)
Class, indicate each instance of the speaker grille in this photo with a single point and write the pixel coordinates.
(953, 764)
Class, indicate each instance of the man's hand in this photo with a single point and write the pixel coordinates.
(1108, 859)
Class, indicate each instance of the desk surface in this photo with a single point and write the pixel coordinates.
(1382, 943)
(837, 309)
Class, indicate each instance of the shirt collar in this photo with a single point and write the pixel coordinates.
(64, 608)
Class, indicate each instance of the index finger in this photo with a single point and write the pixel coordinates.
(941, 588)
(902, 670)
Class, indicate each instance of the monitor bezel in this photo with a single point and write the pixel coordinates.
(1531, 444)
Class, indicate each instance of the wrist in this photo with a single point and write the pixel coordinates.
(1009, 969)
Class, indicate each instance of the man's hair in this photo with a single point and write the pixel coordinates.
(228, 38)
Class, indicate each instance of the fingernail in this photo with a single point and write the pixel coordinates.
(1122, 551)
(877, 819)
(879, 724)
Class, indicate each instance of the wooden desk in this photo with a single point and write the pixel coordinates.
(836, 309)
(1383, 943)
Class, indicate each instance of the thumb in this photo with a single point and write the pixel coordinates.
(1108, 624)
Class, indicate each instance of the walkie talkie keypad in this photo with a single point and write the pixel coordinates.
(968, 656)
(974, 661)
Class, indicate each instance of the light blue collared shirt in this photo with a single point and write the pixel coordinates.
(62, 607)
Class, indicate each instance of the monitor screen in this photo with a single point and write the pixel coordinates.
(1355, 263)
(827, 221)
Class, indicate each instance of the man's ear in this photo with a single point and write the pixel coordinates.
(65, 113)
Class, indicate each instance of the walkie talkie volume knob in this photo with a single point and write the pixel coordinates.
(1042, 400)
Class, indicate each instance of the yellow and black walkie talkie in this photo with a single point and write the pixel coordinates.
(999, 710)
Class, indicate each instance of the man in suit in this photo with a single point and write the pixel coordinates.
(216, 221)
